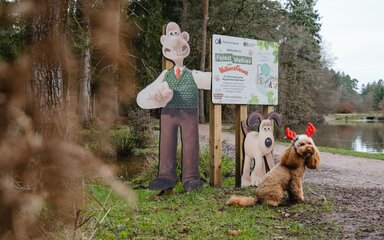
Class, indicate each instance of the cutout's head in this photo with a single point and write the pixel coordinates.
(267, 140)
(175, 43)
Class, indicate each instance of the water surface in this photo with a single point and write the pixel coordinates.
(353, 135)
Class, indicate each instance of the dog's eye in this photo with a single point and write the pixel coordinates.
(301, 144)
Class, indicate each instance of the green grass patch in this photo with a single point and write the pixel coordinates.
(379, 156)
(355, 116)
(204, 215)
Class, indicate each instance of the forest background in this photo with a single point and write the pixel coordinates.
(308, 86)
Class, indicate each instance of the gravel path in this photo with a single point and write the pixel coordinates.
(355, 184)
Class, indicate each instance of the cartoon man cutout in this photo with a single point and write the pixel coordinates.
(176, 91)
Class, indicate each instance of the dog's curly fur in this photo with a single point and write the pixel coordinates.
(285, 176)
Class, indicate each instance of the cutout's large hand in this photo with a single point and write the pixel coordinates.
(161, 94)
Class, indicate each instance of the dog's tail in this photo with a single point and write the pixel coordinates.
(241, 201)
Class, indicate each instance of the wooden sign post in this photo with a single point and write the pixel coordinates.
(241, 115)
(215, 145)
(244, 71)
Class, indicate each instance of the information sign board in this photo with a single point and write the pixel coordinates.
(244, 71)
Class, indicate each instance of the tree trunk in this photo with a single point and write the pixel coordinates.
(106, 38)
(85, 111)
(84, 104)
(202, 59)
(115, 67)
(184, 14)
(48, 25)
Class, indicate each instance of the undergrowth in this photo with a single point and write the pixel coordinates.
(204, 215)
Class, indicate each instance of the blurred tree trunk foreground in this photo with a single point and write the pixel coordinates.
(48, 81)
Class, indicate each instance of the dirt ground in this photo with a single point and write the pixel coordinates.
(355, 185)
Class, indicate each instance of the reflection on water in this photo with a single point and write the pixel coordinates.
(357, 136)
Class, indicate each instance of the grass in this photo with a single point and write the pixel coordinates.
(204, 215)
(379, 156)
(355, 116)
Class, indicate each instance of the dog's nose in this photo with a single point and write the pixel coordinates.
(268, 142)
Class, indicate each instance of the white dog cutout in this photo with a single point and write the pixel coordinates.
(258, 145)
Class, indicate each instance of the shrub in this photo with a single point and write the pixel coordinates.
(227, 168)
(140, 122)
(345, 108)
(123, 141)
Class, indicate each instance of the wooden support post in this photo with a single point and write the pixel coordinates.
(165, 63)
(241, 115)
(267, 110)
(215, 145)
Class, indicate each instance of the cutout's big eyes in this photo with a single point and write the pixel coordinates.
(171, 33)
(175, 33)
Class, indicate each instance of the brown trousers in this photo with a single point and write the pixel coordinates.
(188, 121)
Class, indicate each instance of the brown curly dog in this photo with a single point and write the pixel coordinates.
(288, 174)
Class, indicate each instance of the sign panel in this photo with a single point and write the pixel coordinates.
(244, 71)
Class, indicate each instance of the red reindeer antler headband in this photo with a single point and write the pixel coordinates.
(309, 132)
(290, 135)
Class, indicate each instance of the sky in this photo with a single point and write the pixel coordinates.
(353, 36)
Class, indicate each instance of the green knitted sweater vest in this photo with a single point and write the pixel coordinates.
(185, 91)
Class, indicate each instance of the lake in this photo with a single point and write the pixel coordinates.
(361, 136)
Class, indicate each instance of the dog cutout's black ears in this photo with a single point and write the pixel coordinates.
(254, 118)
(289, 158)
(275, 116)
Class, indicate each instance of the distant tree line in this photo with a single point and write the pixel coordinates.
(308, 87)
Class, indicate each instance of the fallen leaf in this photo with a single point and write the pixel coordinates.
(234, 232)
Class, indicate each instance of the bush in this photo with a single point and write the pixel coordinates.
(345, 108)
(140, 122)
(150, 172)
(227, 165)
(123, 142)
